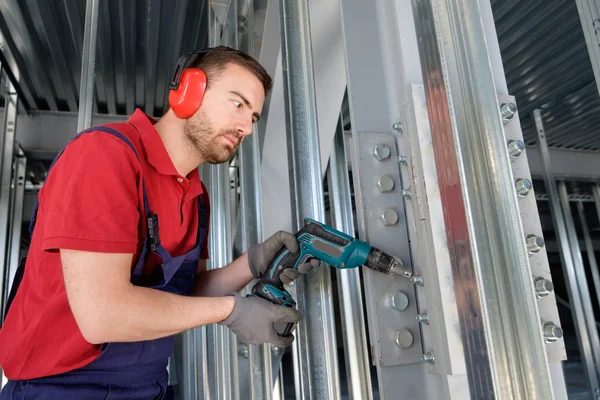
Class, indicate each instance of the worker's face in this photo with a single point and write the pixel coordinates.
(232, 103)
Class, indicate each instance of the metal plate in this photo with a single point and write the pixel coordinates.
(384, 320)
(530, 218)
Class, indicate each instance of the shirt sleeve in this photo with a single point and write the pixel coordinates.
(206, 201)
(90, 198)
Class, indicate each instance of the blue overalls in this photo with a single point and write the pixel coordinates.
(135, 370)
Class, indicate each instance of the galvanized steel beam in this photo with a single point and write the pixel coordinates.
(357, 361)
(489, 257)
(7, 154)
(314, 350)
(589, 14)
(88, 65)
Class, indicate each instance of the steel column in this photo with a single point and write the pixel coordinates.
(587, 335)
(259, 356)
(315, 358)
(496, 299)
(16, 214)
(589, 249)
(351, 301)
(222, 356)
(7, 148)
(88, 65)
(589, 14)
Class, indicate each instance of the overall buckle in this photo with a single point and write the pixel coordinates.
(153, 232)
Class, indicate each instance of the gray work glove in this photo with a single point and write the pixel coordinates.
(260, 255)
(253, 320)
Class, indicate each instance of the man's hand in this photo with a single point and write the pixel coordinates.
(260, 255)
(253, 320)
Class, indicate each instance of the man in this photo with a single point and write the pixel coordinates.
(117, 263)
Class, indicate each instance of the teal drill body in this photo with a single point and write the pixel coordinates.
(335, 248)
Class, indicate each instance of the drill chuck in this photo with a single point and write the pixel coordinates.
(382, 262)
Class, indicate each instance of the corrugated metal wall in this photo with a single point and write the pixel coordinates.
(543, 49)
(138, 42)
(547, 66)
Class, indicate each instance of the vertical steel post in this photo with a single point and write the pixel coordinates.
(223, 348)
(7, 151)
(587, 335)
(589, 15)
(503, 343)
(259, 356)
(88, 65)
(16, 211)
(595, 272)
(351, 300)
(314, 352)
(589, 249)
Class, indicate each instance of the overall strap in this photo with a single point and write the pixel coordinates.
(115, 133)
(202, 221)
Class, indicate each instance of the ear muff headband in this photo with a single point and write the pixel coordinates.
(187, 87)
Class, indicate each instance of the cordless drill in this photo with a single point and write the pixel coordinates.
(317, 240)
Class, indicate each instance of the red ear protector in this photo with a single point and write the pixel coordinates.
(187, 87)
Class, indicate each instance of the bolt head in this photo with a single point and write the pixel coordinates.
(515, 148)
(508, 111)
(552, 332)
(423, 318)
(428, 358)
(523, 186)
(385, 184)
(389, 217)
(534, 243)
(404, 338)
(543, 286)
(400, 301)
(417, 280)
(382, 152)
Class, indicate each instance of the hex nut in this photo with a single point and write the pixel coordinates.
(552, 332)
(523, 187)
(385, 184)
(534, 243)
(404, 338)
(508, 111)
(389, 217)
(515, 148)
(400, 301)
(382, 152)
(543, 286)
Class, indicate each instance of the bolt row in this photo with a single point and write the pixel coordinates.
(404, 338)
(543, 287)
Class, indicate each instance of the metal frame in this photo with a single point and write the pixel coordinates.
(349, 287)
(579, 296)
(589, 14)
(7, 154)
(88, 67)
(314, 350)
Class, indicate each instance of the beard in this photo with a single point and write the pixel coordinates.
(205, 143)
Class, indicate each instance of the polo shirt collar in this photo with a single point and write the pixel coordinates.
(156, 151)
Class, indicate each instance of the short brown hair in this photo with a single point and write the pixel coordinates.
(214, 61)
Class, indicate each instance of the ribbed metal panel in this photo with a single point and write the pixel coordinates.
(547, 66)
(542, 44)
(139, 42)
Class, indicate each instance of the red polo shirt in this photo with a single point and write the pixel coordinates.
(92, 200)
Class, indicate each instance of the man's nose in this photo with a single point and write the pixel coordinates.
(244, 128)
